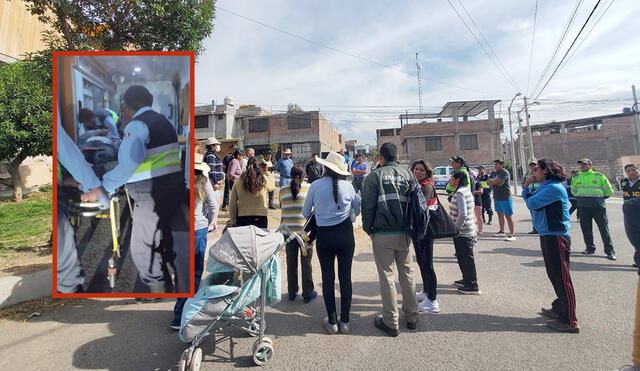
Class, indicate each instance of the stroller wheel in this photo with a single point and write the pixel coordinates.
(262, 353)
(182, 366)
(196, 359)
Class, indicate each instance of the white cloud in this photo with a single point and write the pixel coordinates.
(260, 66)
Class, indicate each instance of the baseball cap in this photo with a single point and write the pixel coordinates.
(498, 161)
(584, 161)
(457, 158)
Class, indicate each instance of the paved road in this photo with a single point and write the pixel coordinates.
(498, 330)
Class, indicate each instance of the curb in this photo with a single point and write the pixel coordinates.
(25, 287)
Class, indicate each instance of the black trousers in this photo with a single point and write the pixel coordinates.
(227, 190)
(466, 261)
(336, 242)
(600, 215)
(424, 257)
(631, 213)
(258, 221)
(574, 206)
(293, 249)
(486, 205)
(556, 251)
(271, 198)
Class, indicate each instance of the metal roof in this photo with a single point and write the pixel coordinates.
(460, 109)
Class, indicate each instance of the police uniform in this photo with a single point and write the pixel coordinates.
(149, 165)
(590, 189)
(631, 213)
(69, 271)
(486, 196)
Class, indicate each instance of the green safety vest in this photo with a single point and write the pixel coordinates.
(160, 161)
(449, 188)
(591, 184)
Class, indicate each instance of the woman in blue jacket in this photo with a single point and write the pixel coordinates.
(549, 205)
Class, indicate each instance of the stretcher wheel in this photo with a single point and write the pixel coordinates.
(262, 353)
(196, 360)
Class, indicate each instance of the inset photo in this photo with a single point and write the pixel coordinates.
(123, 173)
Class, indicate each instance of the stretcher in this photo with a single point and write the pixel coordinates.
(80, 210)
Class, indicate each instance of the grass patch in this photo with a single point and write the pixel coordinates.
(26, 226)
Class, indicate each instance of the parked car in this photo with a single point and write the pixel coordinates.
(441, 175)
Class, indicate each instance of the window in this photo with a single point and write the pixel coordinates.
(440, 171)
(258, 125)
(386, 133)
(299, 122)
(202, 122)
(468, 142)
(434, 143)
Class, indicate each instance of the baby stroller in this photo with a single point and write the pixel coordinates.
(244, 267)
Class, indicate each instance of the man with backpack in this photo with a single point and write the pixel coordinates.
(383, 218)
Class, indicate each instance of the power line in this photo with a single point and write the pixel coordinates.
(489, 45)
(588, 33)
(533, 36)
(568, 50)
(558, 45)
(349, 54)
(482, 46)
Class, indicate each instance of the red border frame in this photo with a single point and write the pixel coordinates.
(190, 140)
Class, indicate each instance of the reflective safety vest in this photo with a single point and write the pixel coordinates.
(591, 184)
(483, 181)
(163, 151)
(450, 189)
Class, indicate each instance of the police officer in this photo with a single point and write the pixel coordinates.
(591, 189)
(458, 163)
(149, 165)
(631, 208)
(70, 277)
(486, 194)
(533, 165)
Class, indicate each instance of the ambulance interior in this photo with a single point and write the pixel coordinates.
(98, 83)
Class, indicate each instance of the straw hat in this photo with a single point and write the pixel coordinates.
(335, 162)
(210, 141)
(199, 165)
(287, 151)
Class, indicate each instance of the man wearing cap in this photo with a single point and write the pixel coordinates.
(216, 173)
(533, 185)
(499, 181)
(149, 166)
(226, 161)
(70, 278)
(630, 187)
(284, 166)
(483, 177)
(458, 163)
(591, 189)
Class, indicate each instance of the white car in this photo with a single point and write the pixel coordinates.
(441, 175)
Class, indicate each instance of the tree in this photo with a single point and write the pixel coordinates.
(25, 115)
(294, 108)
(129, 24)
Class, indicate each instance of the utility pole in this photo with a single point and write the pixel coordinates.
(419, 73)
(514, 165)
(526, 112)
(636, 110)
(521, 145)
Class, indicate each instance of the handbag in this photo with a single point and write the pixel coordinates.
(440, 223)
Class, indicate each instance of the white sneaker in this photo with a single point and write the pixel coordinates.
(510, 238)
(499, 234)
(421, 296)
(331, 328)
(430, 306)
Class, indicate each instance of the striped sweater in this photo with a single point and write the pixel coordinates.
(292, 209)
(461, 210)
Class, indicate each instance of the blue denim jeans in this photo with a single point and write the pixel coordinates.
(200, 247)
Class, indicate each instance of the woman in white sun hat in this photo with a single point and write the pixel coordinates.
(203, 195)
(333, 200)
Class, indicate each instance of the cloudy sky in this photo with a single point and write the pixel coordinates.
(369, 75)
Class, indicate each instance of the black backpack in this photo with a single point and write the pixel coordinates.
(417, 213)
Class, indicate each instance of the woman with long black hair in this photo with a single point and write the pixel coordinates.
(248, 202)
(423, 172)
(549, 205)
(334, 200)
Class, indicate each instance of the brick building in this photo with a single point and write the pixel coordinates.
(305, 133)
(606, 140)
(455, 129)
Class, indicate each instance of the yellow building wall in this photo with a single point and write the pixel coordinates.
(20, 32)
